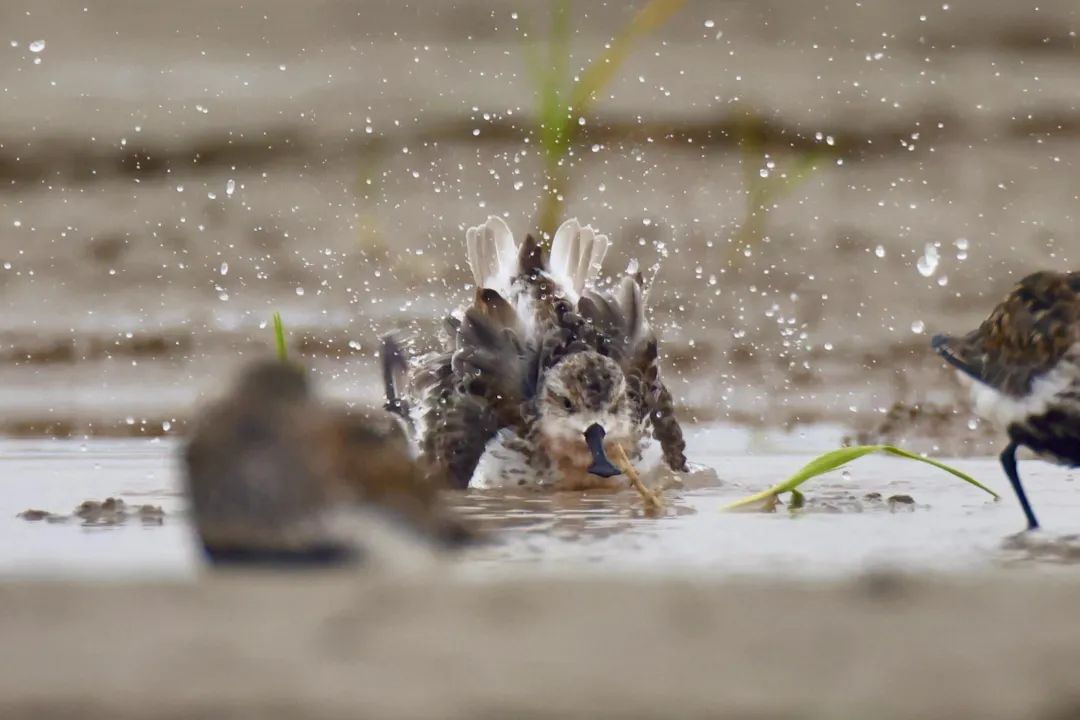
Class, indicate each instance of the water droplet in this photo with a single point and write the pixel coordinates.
(918, 327)
(224, 270)
(299, 291)
(518, 184)
(961, 248)
(37, 46)
(230, 187)
(710, 23)
(928, 263)
(880, 251)
(281, 67)
(943, 280)
(763, 172)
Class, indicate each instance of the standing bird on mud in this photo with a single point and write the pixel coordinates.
(277, 478)
(542, 376)
(1023, 368)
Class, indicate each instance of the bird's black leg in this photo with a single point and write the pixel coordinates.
(1008, 461)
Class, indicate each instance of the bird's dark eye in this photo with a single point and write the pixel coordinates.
(567, 405)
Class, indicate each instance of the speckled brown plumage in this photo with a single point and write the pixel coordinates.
(1024, 337)
(1023, 367)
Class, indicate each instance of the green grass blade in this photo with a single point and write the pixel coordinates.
(562, 101)
(279, 338)
(940, 465)
(838, 458)
(554, 112)
(601, 71)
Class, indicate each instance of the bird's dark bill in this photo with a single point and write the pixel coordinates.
(594, 437)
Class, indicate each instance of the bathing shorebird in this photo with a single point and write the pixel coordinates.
(277, 478)
(1023, 368)
(541, 375)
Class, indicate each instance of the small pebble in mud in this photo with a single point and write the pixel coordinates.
(151, 515)
(111, 511)
(32, 515)
(901, 503)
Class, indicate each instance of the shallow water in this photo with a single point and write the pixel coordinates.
(951, 526)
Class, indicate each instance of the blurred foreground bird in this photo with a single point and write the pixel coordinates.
(543, 375)
(277, 478)
(1023, 368)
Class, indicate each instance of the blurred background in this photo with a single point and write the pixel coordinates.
(817, 186)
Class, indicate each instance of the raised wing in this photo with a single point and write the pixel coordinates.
(576, 256)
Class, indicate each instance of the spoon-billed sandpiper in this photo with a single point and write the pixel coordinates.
(542, 374)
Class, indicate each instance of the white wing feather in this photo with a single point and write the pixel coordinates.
(576, 255)
(492, 254)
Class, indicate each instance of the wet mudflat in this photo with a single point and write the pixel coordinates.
(882, 514)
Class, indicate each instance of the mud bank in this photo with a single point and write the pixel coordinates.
(351, 646)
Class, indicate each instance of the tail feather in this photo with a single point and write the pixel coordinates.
(492, 253)
(576, 255)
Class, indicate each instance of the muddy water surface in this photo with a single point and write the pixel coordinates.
(884, 513)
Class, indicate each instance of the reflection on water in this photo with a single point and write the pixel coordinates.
(884, 513)
(1042, 547)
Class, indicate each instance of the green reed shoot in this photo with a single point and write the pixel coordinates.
(279, 338)
(762, 193)
(838, 458)
(563, 99)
